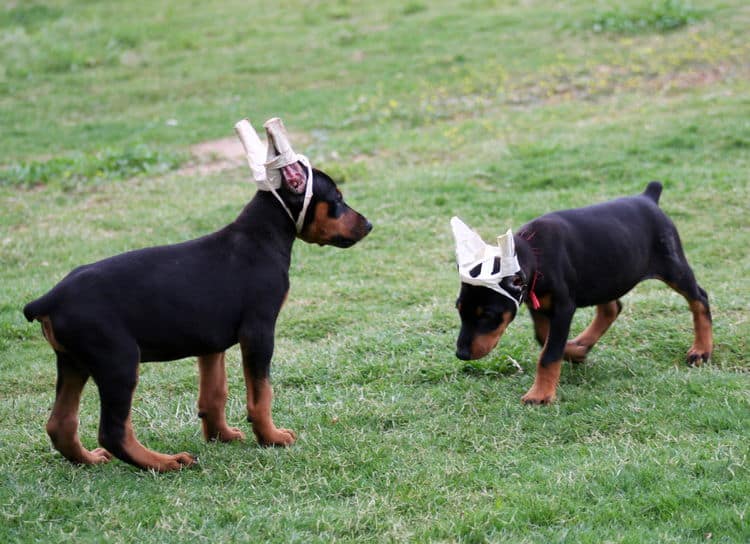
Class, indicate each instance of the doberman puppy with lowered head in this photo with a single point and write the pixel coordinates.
(196, 298)
(563, 260)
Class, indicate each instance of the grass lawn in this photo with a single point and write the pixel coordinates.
(493, 111)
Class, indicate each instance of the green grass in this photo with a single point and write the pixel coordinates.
(424, 110)
(652, 16)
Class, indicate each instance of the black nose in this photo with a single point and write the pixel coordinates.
(463, 353)
(368, 226)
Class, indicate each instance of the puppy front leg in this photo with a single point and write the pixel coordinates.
(550, 360)
(256, 362)
(212, 399)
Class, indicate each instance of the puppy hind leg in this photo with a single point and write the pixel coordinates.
(117, 380)
(62, 426)
(697, 299)
(606, 314)
(674, 270)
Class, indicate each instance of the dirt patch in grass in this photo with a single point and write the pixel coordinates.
(214, 156)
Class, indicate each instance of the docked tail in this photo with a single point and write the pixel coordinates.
(653, 191)
(37, 308)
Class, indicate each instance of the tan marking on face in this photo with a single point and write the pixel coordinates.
(482, 344)
(323, 228)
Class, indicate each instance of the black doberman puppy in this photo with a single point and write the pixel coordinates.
(582, 257)
(194, 298)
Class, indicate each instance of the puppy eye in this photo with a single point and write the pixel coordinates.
(518, 281)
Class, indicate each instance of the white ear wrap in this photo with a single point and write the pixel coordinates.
(506, 244)
(280, 152)
(473, 252)
(469, 245)
(255, 152)
(266, 162)
(508, 259)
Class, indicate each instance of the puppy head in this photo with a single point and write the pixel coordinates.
(485, 314)
(310, 197)
(328, 219)
(492, 288)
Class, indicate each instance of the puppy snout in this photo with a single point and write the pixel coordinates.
(463, 353)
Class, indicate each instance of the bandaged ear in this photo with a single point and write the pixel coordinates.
(477, 260)
(470, 247)
(273, 162)
(507, 245)
(282, 163)
(277, 162)
(255, 152)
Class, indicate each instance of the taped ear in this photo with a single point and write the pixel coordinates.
(255, 152)
(506, 244)
(282, 163)
(469, 245)
(482, 264)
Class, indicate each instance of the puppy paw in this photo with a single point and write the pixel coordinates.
(97, 457)
(575, 352)
(231, 434)
(176, 462)
(275, 437)
(538, 396)
(697, 356)
(225, 434)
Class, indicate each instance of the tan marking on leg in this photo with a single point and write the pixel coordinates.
(577, 349)
(541, 327)
(545, 384)
(212, 399)
(49, 333)
(703, 343)
(62, 426)
(259, 400)
(145, 458)
(149, 459)
(545, 302)
(702, 347)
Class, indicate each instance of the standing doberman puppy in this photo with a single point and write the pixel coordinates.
(565, 260)
(195, 298)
